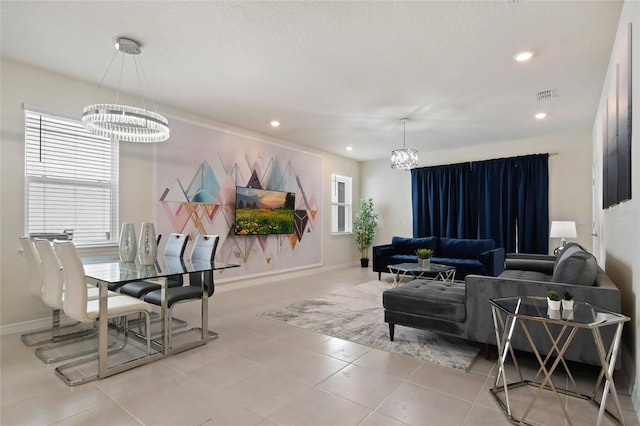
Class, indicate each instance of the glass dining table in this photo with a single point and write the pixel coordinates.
(105, 272)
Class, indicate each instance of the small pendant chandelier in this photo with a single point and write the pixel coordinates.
(404, 158)
(122, 122)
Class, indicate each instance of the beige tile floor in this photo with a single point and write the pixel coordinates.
(261, 372)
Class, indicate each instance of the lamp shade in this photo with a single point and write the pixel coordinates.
(404, 158)
(563, 229)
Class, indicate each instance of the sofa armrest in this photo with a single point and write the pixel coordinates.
(380, 257)
(384, 250)
(479, 289)
(530, 262)
(494, 259)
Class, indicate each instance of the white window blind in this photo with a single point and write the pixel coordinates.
(340, 203)
(71, 179)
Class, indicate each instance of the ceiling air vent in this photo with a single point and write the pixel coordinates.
(546, 95)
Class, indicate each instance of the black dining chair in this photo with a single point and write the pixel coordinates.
(203, 249)
(175, 248)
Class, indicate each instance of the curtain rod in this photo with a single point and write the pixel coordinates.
(480, 161)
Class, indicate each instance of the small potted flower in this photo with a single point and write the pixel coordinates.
(424, 257)
(553, 299)
(567, 300)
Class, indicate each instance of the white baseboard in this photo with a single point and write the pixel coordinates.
(245, 282)
(635, 398)
(628, 368)
(629, 371)
(31, 325)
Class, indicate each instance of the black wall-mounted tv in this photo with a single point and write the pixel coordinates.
(263, 211)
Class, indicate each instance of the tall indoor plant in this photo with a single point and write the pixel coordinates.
(364, 228)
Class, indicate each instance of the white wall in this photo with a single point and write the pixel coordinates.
(26, 85)
(570, 183)
(619, 226)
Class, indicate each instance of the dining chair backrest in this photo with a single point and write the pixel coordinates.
(34, 265)
(176, 245)
(52, 279)
(204, 249)
(75, 295)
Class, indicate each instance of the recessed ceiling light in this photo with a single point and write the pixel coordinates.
(540, 115)
(349, 148)
(523, 56)
(275, 123)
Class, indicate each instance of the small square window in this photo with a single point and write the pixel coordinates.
(341, 220)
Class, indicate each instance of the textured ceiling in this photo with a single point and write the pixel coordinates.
(341, 73)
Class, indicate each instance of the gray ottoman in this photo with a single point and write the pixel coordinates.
(426, 304)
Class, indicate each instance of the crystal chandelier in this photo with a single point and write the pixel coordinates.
(404, 158)
(123, 122)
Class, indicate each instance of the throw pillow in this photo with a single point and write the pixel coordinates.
(578, 268)
(460, 248)
(569, 249)
(401, 244)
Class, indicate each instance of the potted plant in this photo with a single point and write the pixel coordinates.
(553, 299)
(364, 228)
(567, 300)
(424, 257)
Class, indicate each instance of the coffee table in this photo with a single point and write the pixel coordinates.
(434, 270)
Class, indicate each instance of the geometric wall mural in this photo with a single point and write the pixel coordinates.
(198, 171)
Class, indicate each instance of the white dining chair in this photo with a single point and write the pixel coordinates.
(77, 305)
(57, 332)
(53, 292)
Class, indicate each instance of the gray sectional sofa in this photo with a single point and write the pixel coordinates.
(462, 309)
(468, 256)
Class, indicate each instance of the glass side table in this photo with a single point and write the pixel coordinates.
(509, 312)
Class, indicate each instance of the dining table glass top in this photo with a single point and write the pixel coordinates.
(112, 270)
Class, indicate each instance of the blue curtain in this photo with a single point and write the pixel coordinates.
(441, 198)
(506, 200)
(533, 203)
(494, 181)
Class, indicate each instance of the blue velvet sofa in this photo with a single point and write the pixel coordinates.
(468, 256)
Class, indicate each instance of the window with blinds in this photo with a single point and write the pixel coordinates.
(340, 203)
(71, 179)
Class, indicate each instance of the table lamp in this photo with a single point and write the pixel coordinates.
(562, 229)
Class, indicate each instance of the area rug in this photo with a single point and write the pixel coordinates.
(356, 314)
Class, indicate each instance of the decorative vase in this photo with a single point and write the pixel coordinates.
(364, 262)
(554, 305)
(127, 245)
(567, 305)
(424, 263)
(147, 246)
